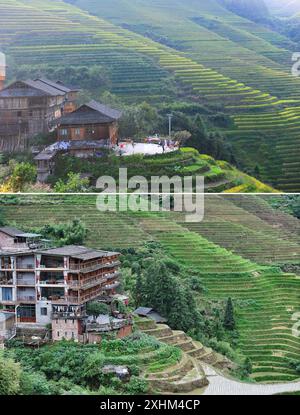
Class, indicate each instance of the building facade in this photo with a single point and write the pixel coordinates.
(90, 122)
(41, 285)
(32, 107)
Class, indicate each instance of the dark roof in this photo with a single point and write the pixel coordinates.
(48, 89)
(58, 85)
(78, 252)
(35, 88)
(46, 155)
(143, 311)
(9, 230)
(150, 313)
(91, 113)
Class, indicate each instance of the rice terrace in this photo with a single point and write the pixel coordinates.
(149, 201)
(245, 249)
(202, 53)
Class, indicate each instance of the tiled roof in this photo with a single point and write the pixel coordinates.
(91, 113)
(35, 88)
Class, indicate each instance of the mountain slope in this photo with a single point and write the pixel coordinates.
(253, 59)
(228, 251)
(214, 56)
(251, 9)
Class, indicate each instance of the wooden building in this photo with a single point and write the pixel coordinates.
(32, 107)
(90, 122)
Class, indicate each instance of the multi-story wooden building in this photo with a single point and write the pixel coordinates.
(38, 285)
(32, 107)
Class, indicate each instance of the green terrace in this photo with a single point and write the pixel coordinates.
(232, 62)
(236, 252)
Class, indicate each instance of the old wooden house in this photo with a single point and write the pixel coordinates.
(90, 122)
(32, 107)
(84, 133)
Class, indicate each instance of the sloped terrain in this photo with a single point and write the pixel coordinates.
(215, 57)
(237, 252)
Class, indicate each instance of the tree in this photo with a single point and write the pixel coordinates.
(229, 321)
(247, 367)
(166, 294)
(70, 233)
(10, 373)
(22, 174)
(139, 284)
(95, 309)
(74, 184)
(181, 137)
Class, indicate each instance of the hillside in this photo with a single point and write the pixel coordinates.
(219, 176)
(252, 9)
(200, 52)
(243, 249)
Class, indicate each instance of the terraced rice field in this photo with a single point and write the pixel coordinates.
(214, 57)
(231, 60)
(236, 250)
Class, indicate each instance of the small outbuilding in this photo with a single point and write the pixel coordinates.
(151, 314)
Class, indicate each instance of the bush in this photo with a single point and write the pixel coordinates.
(34, 384)
(10, 373)
(136, 386)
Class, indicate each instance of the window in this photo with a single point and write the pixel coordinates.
(44, 311)
(58, 334)
(6, 294)
(64, 132)
(77, 131)
(66, 334)
(73, 336)
(19, 114)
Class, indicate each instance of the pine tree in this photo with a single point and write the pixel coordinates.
(247, 366)
(139, 290)
(229, 321)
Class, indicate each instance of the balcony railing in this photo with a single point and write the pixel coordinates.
(25, 266)
(6, 281)
(93, 266)
(21, 281)
(26, 298)
(52, 282)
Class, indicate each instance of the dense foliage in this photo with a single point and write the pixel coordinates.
(71, 368)
(70, 233)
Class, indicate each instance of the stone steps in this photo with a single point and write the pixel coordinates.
(192, 348)
(176, 337)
